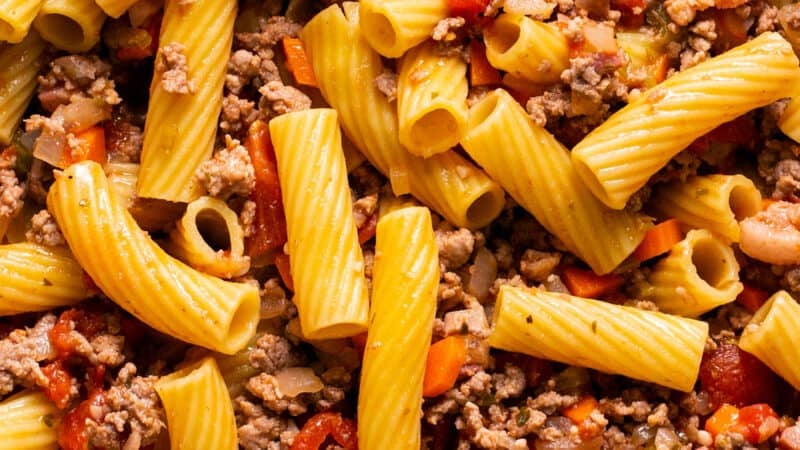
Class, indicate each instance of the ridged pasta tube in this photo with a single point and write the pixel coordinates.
(617, 158)
(123, 177)
(327, 266)
(645, 345)
(789, 122)
(400, 327)
(71, 25)
(393, 26)
(19, 66)
(115, 8)
(198, 409)
(209, 221)
(180, 128)
(699, 274)
(772, 336)
(139, 276)
(16, 17)
(431, 100)
(343, 64)
(713, 202)
(535, 169)
(28, 421)
(529, 49)
(34, 277)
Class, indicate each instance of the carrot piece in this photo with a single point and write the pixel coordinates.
(445, 359)
(722, 419)
(90, 144)
(756, 423)
(659, 240)
(481, 72)
(580, 411)
(587, 284)
(284, 269)
(752, 297)
(298, 63)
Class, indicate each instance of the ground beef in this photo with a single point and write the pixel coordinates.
(21, 352)
(44, 230)
(455, 246)
(445, 30)
(245, 66)
(273, 353)
(259, 430)
(386, 83)
(247, 217)
(76, 75)
(173, 66)
(537, 266)
(547, 108)
(273, 30)
(281, 99)
(364, 208)
(228, 172)
(104, 348)
(467, 321)
(683, 12)
(12, 193)
(787, 186)
(487, 438)
(594, 83)
(237, 115)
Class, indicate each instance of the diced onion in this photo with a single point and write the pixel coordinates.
(294, 381)
(482, 274)
(81, 114)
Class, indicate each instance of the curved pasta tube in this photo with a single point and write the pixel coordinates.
(713, 202)
(28, 422)
(617, 158)
(529, 49)
(209, 220)
(115, 8)
(19, 66)
(122, 178)
(16, 17)
(198, 409)
(789, 122)
(645, 345)
(344, 63)
(142, 278)
(772, 336)
(71, 25)
(327, 266)
(406, 278)
(699, 274)
(180, 128)
(535, 169)
(393, 26)
(431, 100)
(37, 278)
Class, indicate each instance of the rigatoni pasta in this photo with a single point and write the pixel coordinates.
(115, 8)
(19, 66)
(72, 25)
(406, 278)
(644, 345)
(617, 158)
(16, 17)
(393, 26)
(28, 421)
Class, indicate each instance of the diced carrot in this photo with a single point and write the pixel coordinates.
(445, 359)
(752, 297)
(756, 423)
(766, 203)
(367, 230)
(587, 284)
(90, 144)
(471, 10)
(284, 269)
(659, 240)
(580, 411)
(481, 72)
(722, 419)
(297, 62)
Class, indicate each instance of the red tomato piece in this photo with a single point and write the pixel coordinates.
(322, 425)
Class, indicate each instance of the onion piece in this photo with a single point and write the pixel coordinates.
(50, 147)
(293, 381)
(81, 114)
(482, 274)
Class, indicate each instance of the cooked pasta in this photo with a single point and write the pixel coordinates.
(699, 274)
(71, 25)
(645, 345)
(789, 122)
(771, 335)
(122, 178)
(199, 411)
(326, 261)
(179, 130)
(617, 158)
(714, 202)
(213, 313)
(27, 422)
(393, 26)
(406, 278)
(209, 238)
(535, 169)
(16, 17)
(19, 66)
(446, 182)
(115, 8)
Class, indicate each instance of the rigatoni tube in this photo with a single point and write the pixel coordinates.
(393, 26)
(27, 422)
(19, 67)
(16, 17)
(71, 25)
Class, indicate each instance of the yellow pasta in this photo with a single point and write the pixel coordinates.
(343, 64)
(789, 122)
(19, 66)
(772, 336)
(34, 277)
(198, 409)
(393, 26)
(326, 261)
(529, 49)
(158, 289)
(645, 345)
(617, 158)
(431, 100)
(71, 25)
(209, 238)
(16, 17)
(714, 202)
(115, 8)
(406, 279)
(123, 177)
(535, 169)
(180, 127)
(699, 274)
(28, 421)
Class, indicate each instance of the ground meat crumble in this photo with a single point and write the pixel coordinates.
(173, 66)
(228, 172)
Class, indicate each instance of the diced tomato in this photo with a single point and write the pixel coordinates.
(731, 29)
(72, 433)
(367, 230)
(632, 12)
(59, 383)
(752, 297)
(740, 131)
(756, 423)
(731, 375)
(86, 323)
(471, 10)
(322, 425)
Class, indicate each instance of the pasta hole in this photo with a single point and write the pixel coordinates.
(70, 32)
(243, 322)
(378, 25)
(744, 202)
(485, 208)
(482, 110)
(711, 262)
(214, 229)
(502, 36)
(436, 129)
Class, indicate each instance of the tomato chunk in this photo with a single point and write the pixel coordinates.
(319, 427)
